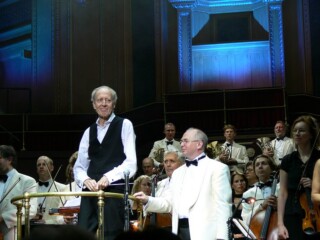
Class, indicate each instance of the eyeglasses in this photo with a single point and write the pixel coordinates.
(187, 141)
(299, 130)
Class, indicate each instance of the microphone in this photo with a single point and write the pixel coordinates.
(248, 200)
(126, 174)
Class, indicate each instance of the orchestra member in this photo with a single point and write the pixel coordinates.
(12, 184)
(261, 192)
(200, 193)
(295, 177)
(46, 184)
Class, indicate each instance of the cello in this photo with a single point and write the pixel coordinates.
(264, 223)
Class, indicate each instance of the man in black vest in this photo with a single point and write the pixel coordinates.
(106, 153)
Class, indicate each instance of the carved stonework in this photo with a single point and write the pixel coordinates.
(190, 11)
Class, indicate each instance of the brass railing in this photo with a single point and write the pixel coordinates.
(23, 201)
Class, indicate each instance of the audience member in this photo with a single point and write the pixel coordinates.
(69, 232)
(200, 193)
(281, 145)
(166, 144)
(149, 233)
(46, 184)
(234, 154)
(107, 151)
(263, 168)
(12, 184)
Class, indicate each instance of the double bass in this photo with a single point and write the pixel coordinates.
(264, 223)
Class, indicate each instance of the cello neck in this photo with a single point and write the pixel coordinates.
(265, 225)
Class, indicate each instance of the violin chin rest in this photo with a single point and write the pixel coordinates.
(309, 231)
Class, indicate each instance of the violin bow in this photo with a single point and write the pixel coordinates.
(53, 183)
(306, 165)
(13, 185)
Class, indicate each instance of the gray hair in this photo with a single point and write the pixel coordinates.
(179, 155)
(114, 96)
(200, 135)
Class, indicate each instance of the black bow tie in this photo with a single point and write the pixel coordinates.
(280, 138)
(229, 144)
(3, 178)
(266, 184)
(169, 142)
(46, 184)
(194, 162)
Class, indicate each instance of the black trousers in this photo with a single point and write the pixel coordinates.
(183, 229)
(113, 215)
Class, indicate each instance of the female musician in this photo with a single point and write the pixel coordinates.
(72, 202)
(142, 183)
(239, 185)
(295, 176)
(263, 168)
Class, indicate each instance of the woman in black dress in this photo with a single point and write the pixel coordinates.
(239, 185)
(296, 172)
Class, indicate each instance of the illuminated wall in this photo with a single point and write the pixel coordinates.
(229, 63)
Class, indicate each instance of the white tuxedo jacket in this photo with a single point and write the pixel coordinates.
(239, 153)
(163, 188)
(288, 147)
(54, 202)
(8, 211)
(163, 144)
(209, 200)
(249, 210)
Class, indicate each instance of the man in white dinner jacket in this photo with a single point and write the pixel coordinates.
(200, 193)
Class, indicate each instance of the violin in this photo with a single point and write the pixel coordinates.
(65, 211)
(311, 221)
(264, 224)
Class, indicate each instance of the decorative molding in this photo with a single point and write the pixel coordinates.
(179, 4)
(276, 45)
(185, 48)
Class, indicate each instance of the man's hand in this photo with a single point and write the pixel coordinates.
(91, 184)
(270, 201)
(142, 197)
(224, 157)
(103, 183)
